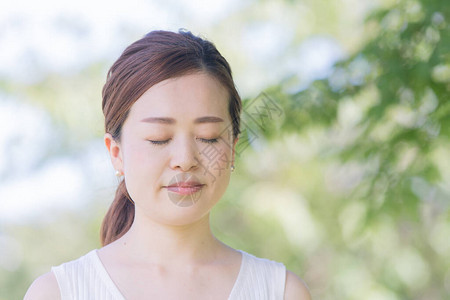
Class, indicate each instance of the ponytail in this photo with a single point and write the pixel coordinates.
(119, 217)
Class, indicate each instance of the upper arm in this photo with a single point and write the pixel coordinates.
(295, 288)
(44, 287)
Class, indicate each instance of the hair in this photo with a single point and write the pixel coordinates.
(158, 56)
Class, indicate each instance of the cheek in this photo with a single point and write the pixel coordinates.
(138, 158)
(142, 171)
(220, 183)
(215, 160)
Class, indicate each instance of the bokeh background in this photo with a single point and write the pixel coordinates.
(348, 184)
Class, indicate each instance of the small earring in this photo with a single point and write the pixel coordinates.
(232, 168)
(118, 173)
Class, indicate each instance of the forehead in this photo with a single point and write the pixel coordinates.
(189, 96)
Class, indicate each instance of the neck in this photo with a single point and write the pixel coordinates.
(153, 242)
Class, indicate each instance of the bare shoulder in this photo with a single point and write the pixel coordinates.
(44, 287)
(296, 288)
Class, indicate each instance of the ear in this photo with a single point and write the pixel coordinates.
(115, 152)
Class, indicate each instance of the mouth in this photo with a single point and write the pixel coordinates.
(185, 188)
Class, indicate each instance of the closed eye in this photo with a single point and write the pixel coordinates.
(208, 141)
(159, 142)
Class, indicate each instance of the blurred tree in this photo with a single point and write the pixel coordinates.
(347, 183)
(383, 117)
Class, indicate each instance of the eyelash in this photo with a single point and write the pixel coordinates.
(160, 143)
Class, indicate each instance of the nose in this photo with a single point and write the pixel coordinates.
(184, 154)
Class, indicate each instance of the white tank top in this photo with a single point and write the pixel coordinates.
(86, 278)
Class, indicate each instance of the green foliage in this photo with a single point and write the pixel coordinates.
(384, 113)
(346, 182)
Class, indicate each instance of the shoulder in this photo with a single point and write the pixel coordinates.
(44, 287)
(295, 288)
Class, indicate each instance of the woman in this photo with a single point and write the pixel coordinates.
(172, 122)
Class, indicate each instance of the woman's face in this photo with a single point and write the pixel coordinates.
(176, 149)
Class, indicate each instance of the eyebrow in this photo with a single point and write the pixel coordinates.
(169, 121)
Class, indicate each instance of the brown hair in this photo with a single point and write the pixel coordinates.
(158, 56)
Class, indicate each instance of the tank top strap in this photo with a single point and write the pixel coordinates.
(85, 278)
(259, 278)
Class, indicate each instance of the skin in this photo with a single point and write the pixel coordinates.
(170, 245)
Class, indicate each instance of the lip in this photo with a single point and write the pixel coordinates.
(185, 188)
(185, 184)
